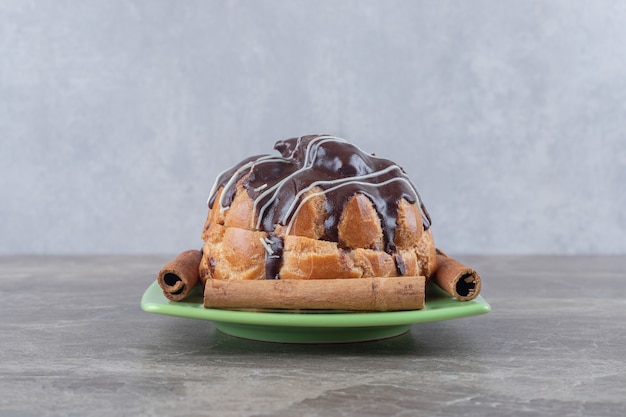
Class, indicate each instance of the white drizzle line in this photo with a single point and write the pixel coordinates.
(276, 187)
(215, 183)
(380, 184)
(250, 165)
(230, 183)
(267, 246)
(352, 180)
(261, 187)
(219, 176)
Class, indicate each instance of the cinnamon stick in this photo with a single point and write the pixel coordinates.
(356, 294)
(458, 280)
(178, 277)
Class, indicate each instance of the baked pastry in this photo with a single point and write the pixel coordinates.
(323, 208)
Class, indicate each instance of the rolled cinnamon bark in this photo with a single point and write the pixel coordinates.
(356, 294)
(458, 280)
(178, 277)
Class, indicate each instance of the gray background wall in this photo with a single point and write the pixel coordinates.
(115, 116)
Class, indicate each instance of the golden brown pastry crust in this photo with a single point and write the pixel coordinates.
(305, 258)
(309, 221)
(233, 251)
(359, 226)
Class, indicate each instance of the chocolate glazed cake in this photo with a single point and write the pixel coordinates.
(323, 208)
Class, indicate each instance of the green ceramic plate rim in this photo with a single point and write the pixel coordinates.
(439, 306)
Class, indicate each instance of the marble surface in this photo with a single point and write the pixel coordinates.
(74, 341)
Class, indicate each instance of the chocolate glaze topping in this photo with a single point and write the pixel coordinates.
(277, 185)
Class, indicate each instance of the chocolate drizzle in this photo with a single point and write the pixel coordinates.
(400, 265)
(278, 184)
(273, 256)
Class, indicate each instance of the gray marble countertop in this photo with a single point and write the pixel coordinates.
(74, 341)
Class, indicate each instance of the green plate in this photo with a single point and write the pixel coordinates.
(314, 326)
